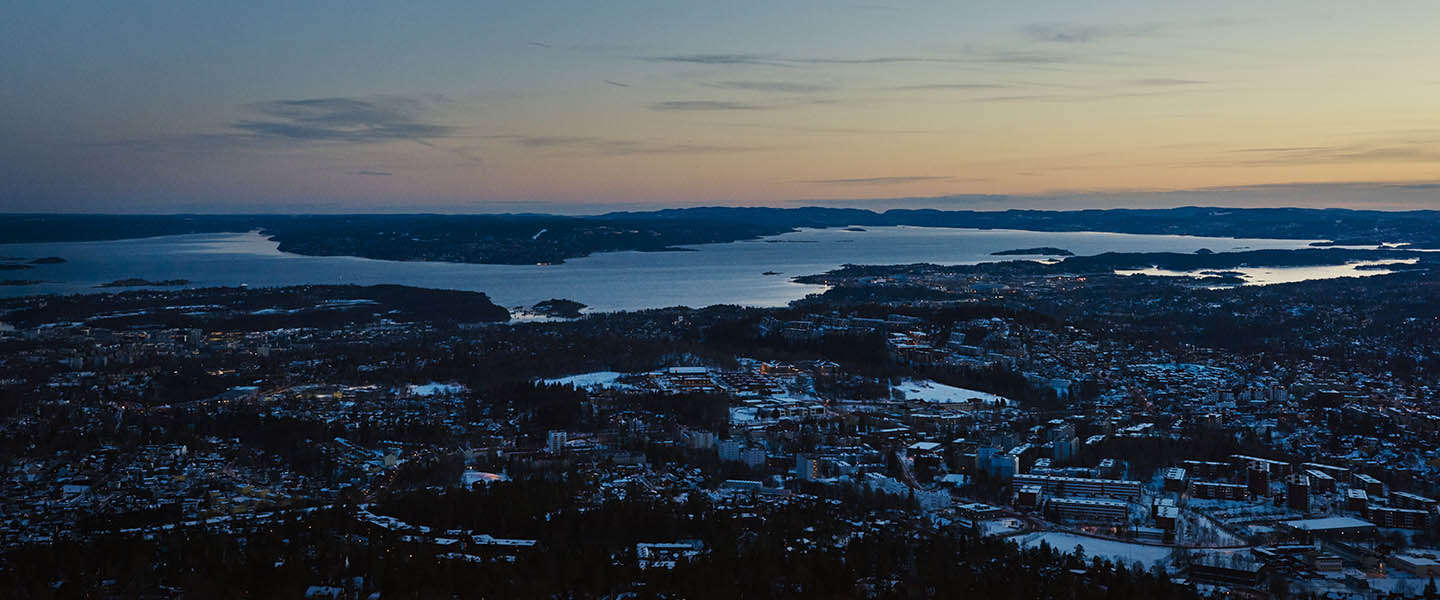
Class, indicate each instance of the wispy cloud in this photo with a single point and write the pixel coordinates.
(874, 60)
(785, 87)
(1398, 195)
(1421, 149)
(1280, 149)
(772, 60)
(972, 56)
(839, 130)
(895, 180)
(1075, 91)
(316, 122)
(1023, 57)
(938, 87)
(1166, 81)
(615, 146)
(1097, 96)
(704, 105)
(722, 59)
(1073, 33)
(1330, 185)
(352, 120)
(1025, 98)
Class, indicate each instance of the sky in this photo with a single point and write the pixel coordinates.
(581, 106)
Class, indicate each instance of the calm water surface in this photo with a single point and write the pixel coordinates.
(729, 273)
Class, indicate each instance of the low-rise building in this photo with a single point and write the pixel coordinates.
(1211, 490)
(1079, 486)
(1090, 510)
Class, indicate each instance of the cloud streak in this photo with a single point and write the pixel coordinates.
(616, 147)
(317, 122)
(839, 130)
(1091, 97)
(973, 56)
(1412, 150)
(895, 180)
(703, 105)
(770, 60)
(722, 59)
(1072, 33)
(1166, 81)
(784, 87)
(940, 87)
(349, 120)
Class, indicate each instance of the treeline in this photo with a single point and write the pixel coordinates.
(804, 550)
(1146, 454)
(258, 309)
(995, 379)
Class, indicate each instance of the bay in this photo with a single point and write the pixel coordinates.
(730, 273)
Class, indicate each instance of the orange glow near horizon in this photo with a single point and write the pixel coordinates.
(476, 108)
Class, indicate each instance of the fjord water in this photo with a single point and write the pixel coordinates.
(731, 273)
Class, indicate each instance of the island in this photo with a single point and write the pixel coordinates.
(260, 309)
(559, 308)
(1354, 241)
(137, 282)
(48, 260)
(771, 273)
(1106, 264)
(853, 228)
(20, 282)
(1041, 251)
(1222, 279)
(1393, 267)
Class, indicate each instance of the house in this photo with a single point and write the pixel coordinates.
(665, 555)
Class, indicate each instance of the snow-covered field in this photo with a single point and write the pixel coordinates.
(743, 414)
(1000, 526)
(1197, 530)
(598, 379)
(939, 393)
(1114, 551)
(436, 389)
(471, 477)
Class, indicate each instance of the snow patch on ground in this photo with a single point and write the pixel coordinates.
(472, 477)
(743, 414)
(1112, 550)
(598, 379)
(939, 393)
(1000, 526)
(436, 389)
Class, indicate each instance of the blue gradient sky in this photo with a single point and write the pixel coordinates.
(586, 106)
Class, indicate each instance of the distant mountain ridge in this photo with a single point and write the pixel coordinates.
(513, 239)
